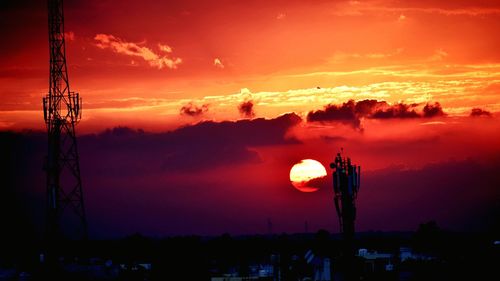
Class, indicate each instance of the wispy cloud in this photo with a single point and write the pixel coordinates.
(120, 46)
(438, 55)
(357, 8)
(164, 48)
(464, 71)
(449, 12)
(342, 56)
(457, 87)
(218, 63)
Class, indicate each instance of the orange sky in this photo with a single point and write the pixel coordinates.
(139, 62)
(394, 83)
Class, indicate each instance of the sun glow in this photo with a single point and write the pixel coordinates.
(304, 172)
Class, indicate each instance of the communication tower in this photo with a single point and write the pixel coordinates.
(62, 109)
(346, 182)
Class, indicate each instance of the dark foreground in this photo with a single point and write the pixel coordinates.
(428, 254)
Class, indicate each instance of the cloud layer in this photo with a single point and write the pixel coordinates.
(216, 177)
(204, 145)
(351, 112)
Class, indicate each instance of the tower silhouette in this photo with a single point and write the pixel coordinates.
(346, 182)
(62, 110)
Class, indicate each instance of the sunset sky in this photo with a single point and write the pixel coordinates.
(193, 108)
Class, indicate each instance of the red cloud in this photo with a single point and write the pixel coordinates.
(434, 110)
(191, 109)
(477, 112)
(351, 112)
(246, 109)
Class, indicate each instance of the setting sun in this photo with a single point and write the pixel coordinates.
(305, 171)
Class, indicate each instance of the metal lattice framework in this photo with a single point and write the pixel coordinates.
(62, 111)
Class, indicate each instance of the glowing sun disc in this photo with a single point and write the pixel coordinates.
(305, 171)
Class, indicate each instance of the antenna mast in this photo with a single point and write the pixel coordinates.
(346, 182)
(62, 109)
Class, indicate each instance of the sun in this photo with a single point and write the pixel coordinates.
(306, 174)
